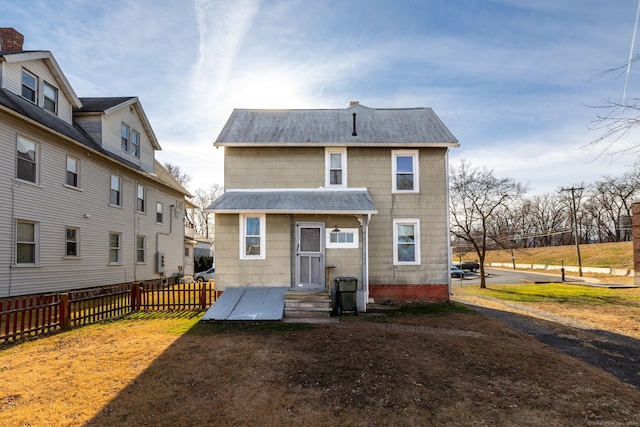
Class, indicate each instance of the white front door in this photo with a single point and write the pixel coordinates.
(310, 255)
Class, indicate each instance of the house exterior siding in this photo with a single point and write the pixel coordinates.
(275, 153)
(52, 206)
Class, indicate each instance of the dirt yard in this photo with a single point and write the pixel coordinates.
(455, 368)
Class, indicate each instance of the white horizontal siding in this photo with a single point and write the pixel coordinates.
(54, 206)
(12, 81)
(112, 137)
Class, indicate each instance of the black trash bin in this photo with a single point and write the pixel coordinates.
(346, 288)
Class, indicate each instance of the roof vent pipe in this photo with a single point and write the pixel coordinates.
(354, 125)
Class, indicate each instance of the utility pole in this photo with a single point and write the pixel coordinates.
(575, 223)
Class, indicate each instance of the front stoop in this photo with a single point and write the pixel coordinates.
(307, 304)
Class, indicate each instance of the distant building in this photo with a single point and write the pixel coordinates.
(86, 203)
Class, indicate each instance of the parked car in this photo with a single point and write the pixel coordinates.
(205, 276)
(468, 265)
(456, 272)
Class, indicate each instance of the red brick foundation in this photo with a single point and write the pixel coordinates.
(409, 293)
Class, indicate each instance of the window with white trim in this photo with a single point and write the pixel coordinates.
(26, 243)
(406, 241)
(116, 186)
(50, 102)
(135, 143)
(159, 212)
(252, 236)
(71, 241)
(141, 245)
(115, 245)
(72, 172)
(27, 160)
(141, 201)
(343, 238)
(29, 86)
(335, 161)
(125, 135)
(405, 171)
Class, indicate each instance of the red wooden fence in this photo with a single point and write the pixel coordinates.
(28, 316)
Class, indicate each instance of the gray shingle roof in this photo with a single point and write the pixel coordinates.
(388, 127)
(285, 201)
(98, 105)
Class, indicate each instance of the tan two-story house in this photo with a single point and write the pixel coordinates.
(312, 195)
(85, 201)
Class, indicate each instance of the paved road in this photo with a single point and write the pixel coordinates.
(497, 276)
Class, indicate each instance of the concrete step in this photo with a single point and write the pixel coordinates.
(307, 312)
(311, 303)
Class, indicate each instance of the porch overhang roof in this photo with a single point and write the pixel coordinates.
(295, 201)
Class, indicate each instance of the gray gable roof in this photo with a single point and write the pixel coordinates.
(99, 105)
(286, 201)
(418, 127)
(30, 111)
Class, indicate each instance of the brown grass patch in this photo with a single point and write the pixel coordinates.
(401, 370)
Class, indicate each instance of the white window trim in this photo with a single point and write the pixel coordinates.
(119, 204)
(144, 198)
(406, 221)
(160, 210)
(37, 161)
(36, 94)
(143, 249)
(263, 232)
(119, 247)
(46, 85)
(77, 173)
(345, 245)
(327, 165)
(77, 241)
(36, 243)
(416, 168)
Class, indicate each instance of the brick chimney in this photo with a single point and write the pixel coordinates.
(10, 40)
(352, 103)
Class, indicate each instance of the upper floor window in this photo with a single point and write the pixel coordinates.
(252, 236)
(29, 86)
(125, 132)
(130, 140)
(141, 204)
(27, 160)
(405, 171)
(115, 198)
(26, 242)
(72, 172)
(336, 167)
(159, 212)
(406, 241)
(135, 143)
(71, 242)
(50, 98)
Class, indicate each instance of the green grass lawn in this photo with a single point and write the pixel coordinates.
(560, 293)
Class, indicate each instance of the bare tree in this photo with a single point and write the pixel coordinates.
(182, 177)
(477, 197)
(618, 118)
(203, 198)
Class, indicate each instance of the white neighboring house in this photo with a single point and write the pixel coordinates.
(86, 203)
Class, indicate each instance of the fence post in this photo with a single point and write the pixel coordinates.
(135, 297)
(64, 311)
(202, 295)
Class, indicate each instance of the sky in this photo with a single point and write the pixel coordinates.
(516, 81)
